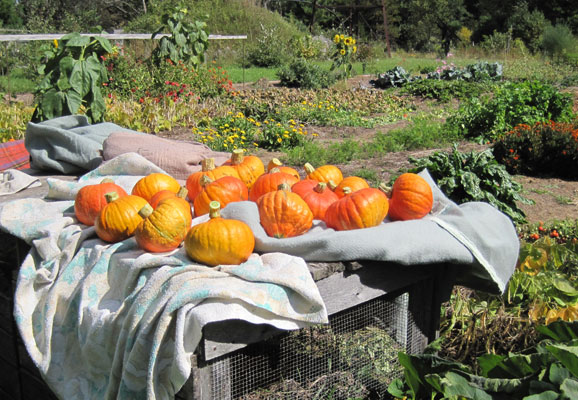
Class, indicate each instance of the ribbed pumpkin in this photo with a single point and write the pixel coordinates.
(269, 182)
(284, 214)
(165, 194)
(411, 198)
(249, 168)
(207, 169)
(362, 209)
(225, 190)
(304, 186)
(119, 218)
(276, 163)
(219, 241)
(354, 183)
(148, 186)
(90, 200)
(319, 198)
(163, 228)
(324, 173)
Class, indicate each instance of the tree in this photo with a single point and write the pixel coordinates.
(9, 14)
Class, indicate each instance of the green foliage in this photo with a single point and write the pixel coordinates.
(187, 42)
(344, 51)
(479, 72)
(301, 73)
(13, 120)
(268, 50)
(549, 148)
(511, 104)
(281, 134)
(305, 46)
(527, 25)
(445, 91)
(558, 41)
(474, 176)
(395, 77)
(72, 77)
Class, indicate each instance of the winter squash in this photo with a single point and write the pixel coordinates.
(165, 194)
(149, 185)
(284, 214)
(269, 182)
(163, 228)
(249, 168)
(304, 186)
(354, 183)
(362, 209)
(411, 198)
(219, 241)
(119, 217)
(319, 198)
(225, 190)
(276, 163)
(208, 168)
(325, 173)
(90, 200)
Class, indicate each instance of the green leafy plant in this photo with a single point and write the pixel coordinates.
(281, 134)
(268, 50)
(187, 42)
(443, 90)
(301, 73)
(474, 176)
(72, 78)
(478, 72)
(545, 148)
(345, 48)
(395, 77)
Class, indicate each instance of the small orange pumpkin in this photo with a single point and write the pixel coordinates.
(304, 186)
(325, 173)
(225, 190)
(276, 163)
(354, 183)
(165, 194)
(207, 169)
(269, 182)
(149, 185)
(284, 214)
(219, 241)
(411, 198)
(90, 200)
(362, 209)
(249, 168)
(319, 199)
(119, 218)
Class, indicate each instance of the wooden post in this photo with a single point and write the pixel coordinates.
(383, 4)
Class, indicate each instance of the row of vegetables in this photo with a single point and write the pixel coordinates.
(159, 211)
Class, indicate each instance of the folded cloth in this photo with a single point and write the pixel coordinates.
(109, 321)
(68, 144)
(13, 155)
(13, 181)
(178, 158)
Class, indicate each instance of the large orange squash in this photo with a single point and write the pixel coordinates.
(219, 241)
(269, 182)
(119, 218)
(354, 183)
(225, 190)
(362, 209)
(284, 214)
(276, 163)
(90, 200)
(411, 198)
(324, 173)
(207, 169)
(319, 198)
(149, 185)
(249, 168)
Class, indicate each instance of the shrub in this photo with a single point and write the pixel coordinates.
(511, 104)
(558, 41)
(444, 91)
(302, 74)
(545, 148)
(269, 50)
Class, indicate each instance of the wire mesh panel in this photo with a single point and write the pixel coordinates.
(355, 356)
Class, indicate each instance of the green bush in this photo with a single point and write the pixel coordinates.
(558, 41)
(548, 148)
(269, 50)
(511, 104)
(302, 74)
(444, 91)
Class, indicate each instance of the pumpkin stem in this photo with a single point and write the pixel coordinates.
(182, 193)
(388, 190)
(207, 164)
(111, 196)
(284, 186)
(237, 156)
(274, 163)
(309, 168)
(346, 190)
(320, 188)
(145, 211)
(107, 180)
(214, 209)
(205, 180)
(331, 185)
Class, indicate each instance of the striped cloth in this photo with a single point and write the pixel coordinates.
(14, 155)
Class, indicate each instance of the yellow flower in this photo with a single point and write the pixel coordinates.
(347, 41)
(342, 51)
(279, 140)
(341, 37)
(336, 38)
(355, 49)
(55, 43)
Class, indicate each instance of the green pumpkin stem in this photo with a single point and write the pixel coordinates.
(388, 190)
(214, 209)
(309, 168)
(183, 192)
(111, 196)
(320, 188)
(237, 156)
(207, 164)
(145, 211)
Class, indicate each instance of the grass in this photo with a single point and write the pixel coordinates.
(16, 82)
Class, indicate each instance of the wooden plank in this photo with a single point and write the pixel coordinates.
(109, 36)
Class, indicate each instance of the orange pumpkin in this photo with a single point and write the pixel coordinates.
(148, 186)
(249, 168)
(362, 209)
(90, 200)
(319, 198)
(119, 218)
(354, 183)
(275, 163)
(304, 186)
(411, 198)
(269, 182)
(165, 227)
(325, 173)
(165, 194)
(219, 241)
(284, 214)
(225, 190)
(207, 169)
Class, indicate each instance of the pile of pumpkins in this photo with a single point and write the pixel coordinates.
(159, 215)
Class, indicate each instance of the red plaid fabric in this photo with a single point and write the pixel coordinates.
(14, 155)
